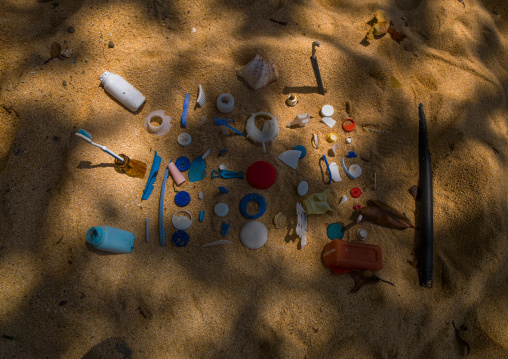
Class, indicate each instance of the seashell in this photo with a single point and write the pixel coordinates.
(258, 73)
(280, 220)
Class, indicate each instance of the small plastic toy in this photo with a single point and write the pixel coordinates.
(254, 235)
(110, 239)
(253, 197)
(223, 190)
(344, 257)
(152, 177)
(227, 174)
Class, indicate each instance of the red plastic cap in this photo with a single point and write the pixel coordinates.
(261, 175)
(348, 124)
(356, 192)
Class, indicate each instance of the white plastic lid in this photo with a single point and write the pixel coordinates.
(184, 139)
(221, 209)
(327, 111)
(303, 188)
(254, 235)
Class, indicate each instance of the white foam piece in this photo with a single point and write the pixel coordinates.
(290, 158)
(201, 97)
(330, 122)
(301, 226)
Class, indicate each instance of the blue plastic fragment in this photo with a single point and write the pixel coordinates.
(328, 168)
(185, 109)
(182, 163)
(226, 174)
(180, 238)
(335, 231)
(224, 228)
(223, 190)
(351, 154)
(219, 122)
(253, 197)
(201, 215)
(152, 177)
(301, 149)
(223, 152)
(182, 199)
(162, 233)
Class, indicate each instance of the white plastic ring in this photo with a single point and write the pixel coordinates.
(184, 139)
(161, 129)
(225, 103)
(182, 222)
(292, 100)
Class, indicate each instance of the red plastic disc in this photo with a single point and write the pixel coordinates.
(261, 175)
(356, 192)
(348, 127)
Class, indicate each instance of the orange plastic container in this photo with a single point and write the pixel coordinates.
(343, 257)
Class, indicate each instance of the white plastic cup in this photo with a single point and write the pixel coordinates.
(123, 91)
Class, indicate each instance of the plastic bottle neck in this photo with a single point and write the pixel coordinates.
(105, 76)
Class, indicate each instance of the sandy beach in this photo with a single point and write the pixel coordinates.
(62, 298)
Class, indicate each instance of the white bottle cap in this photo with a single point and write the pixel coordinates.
(327, 111)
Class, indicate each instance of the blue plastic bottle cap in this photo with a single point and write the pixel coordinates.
(180, 238)
(221, 209)
(182, 163)
(253, 197)
(335, 231)
(302, 149)
(182, 199)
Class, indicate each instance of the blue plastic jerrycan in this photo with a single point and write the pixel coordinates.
(110, 239)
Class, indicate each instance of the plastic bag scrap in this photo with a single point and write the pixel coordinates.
(316, 203)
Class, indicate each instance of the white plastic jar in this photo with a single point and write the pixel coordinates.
(122, 90)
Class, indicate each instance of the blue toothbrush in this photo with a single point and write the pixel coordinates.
(88, 138)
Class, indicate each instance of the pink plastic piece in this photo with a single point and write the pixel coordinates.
(176, 174)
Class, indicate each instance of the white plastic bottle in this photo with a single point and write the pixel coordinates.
(122, 90)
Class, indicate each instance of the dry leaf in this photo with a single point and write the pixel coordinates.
(55, 49)
(397, 36)
(362, 278)
(414, 191)
(413, 263)
(379, 25)
(382, 214)
(395, 83)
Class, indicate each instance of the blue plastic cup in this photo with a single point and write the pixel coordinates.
(110, 239)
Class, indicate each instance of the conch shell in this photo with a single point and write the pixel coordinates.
(382, 214)
(258, 73)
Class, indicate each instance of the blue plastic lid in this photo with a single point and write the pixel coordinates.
(182, 199)
(335, 231)
(182, 163)
(250, 198)
(301, 148)
(180, 238)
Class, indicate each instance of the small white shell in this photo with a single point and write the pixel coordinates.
(258, 73)
(280, 220)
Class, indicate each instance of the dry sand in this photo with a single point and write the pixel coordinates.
(62, 299)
